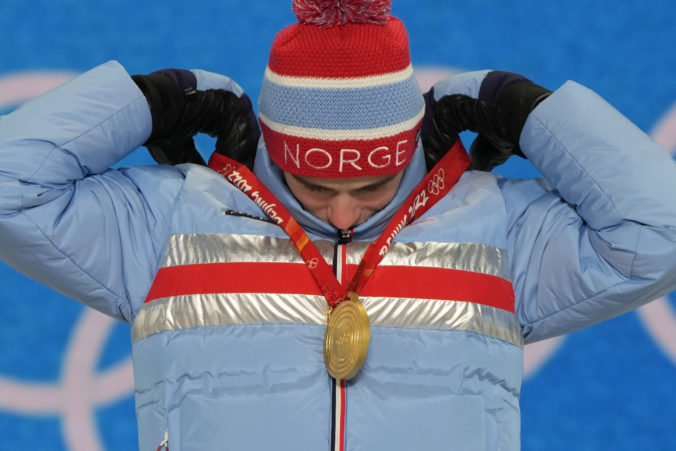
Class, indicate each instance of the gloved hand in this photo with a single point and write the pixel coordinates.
(179, 111)
(498, 115)
(442, 125)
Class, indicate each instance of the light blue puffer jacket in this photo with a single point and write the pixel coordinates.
(230, 363)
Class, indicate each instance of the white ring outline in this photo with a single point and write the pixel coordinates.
(80, 389)
(658, 317)
(22, 86)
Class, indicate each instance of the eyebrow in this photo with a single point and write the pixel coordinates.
(378, 184)
(372, 186)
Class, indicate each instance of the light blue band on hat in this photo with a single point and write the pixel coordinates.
(341, 109)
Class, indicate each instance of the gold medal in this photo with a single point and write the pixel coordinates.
(346, 340)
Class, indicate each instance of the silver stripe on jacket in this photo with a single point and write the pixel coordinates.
(187, 249)
(184, 312)
(203, 310)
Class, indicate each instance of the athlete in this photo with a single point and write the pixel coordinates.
(367, 286)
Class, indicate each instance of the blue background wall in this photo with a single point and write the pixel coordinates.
(607, 387)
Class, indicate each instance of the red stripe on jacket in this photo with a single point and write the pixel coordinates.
(294, 278)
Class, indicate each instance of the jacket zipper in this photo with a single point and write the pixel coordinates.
(339, 387)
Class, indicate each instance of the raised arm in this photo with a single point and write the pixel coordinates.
(66, 219)
(598, 236)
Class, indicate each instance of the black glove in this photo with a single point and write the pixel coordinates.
(441, 126)
(179, 112)
(497, 116)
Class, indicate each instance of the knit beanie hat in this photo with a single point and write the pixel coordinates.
(339, 98)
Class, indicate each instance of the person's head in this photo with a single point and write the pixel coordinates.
(343, 202)
(340, 108)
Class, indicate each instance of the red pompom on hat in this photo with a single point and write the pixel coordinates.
(339, 97)
(329, 13)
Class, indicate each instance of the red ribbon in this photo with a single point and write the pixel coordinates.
(433, 187)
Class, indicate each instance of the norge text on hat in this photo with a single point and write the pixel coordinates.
(339, 97)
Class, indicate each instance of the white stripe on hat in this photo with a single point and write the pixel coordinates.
(343, 135)
(339, 83)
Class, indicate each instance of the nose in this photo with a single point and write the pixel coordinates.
(344, 212)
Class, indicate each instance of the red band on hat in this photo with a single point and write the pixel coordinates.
(346, 158)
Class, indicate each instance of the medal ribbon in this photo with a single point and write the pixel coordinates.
(433, 187)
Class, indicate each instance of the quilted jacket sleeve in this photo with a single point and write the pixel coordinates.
(68, 221)
(598, 238)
